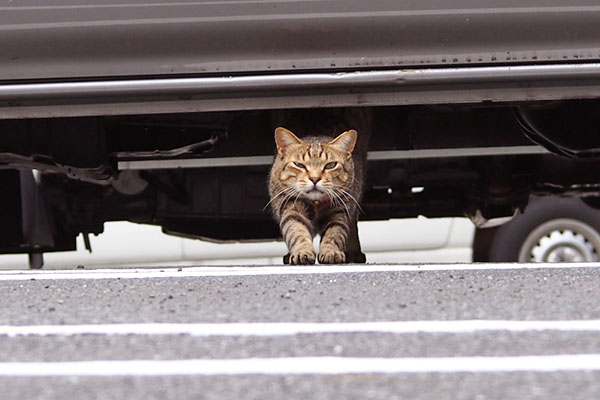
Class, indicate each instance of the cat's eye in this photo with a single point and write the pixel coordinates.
(299, 165)
(330, 165)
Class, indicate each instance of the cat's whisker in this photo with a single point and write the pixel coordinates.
(297, 196)
(283, 191)
(346, 194)
(336, 201)
(342, 202)
(289, 197)
(288, 192)
(332, 197)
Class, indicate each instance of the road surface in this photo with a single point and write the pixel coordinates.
(463, 331)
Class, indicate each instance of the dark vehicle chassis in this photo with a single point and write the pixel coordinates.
(199, 175)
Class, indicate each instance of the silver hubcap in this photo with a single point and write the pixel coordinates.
(561, 240)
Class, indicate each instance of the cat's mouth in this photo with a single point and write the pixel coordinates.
(315, 194)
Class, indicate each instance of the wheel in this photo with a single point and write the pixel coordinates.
(549, 230)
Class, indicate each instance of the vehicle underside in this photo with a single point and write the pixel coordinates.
(204, 174)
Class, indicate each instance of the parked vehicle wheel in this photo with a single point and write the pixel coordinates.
(549, 230)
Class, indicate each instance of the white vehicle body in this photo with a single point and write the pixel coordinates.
(414, 240)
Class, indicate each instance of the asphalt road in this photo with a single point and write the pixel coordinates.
(348, 332)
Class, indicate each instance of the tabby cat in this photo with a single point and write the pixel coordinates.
(315, 187)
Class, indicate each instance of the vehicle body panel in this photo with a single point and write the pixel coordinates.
(73, 39)
(101, 57)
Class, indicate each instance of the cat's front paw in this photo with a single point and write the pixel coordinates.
(302, 257)
(331, 255)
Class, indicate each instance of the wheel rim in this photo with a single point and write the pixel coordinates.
(561, 240)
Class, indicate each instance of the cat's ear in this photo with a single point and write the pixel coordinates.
(284, 139)
(345, 142)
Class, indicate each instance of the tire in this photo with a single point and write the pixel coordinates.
(551, 229)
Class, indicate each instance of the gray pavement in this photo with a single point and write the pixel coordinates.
(486, 293)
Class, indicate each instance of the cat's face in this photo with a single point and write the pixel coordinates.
(315, 169)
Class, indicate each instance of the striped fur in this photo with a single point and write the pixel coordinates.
(314, 189)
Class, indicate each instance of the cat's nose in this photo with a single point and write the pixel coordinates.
(315, 179)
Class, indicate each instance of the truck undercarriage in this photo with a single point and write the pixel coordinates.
(204, 174)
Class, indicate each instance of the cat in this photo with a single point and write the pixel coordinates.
(316, 184)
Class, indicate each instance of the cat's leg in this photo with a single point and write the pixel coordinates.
(296, 231)
(353, 251)
(333, 239)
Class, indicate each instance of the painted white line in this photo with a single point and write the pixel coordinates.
(144, 273)
(298, 328)
(305, 365)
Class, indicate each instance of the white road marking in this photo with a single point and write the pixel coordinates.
(297, 328)
(187, 272)
(305, 365)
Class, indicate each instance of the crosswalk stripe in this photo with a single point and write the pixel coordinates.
(298, 328)
(305, 365)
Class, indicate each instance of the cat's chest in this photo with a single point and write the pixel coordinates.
(318, 210)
